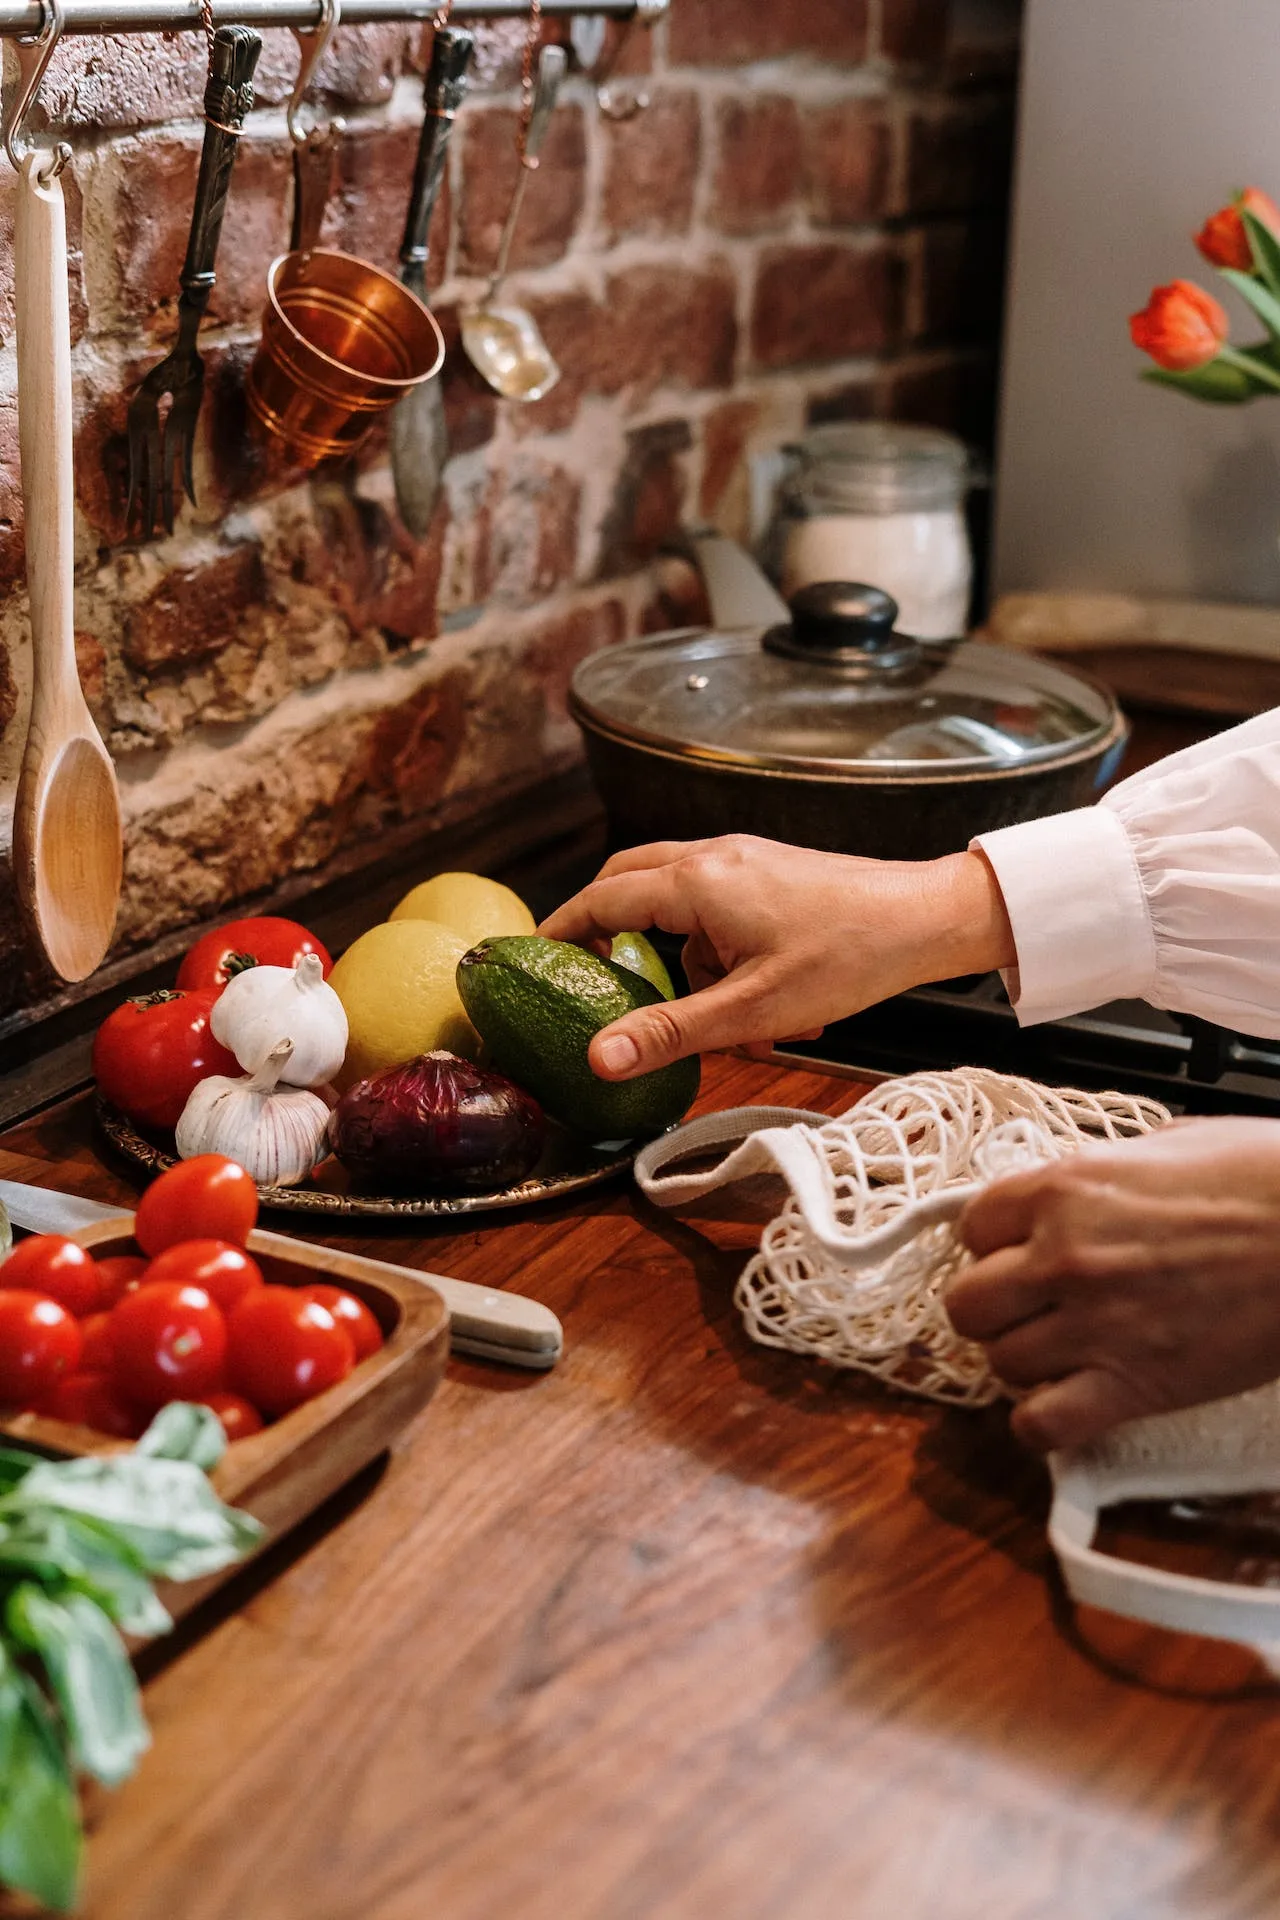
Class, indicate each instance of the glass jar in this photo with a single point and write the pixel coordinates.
(882, 505)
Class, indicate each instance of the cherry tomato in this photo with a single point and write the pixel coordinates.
(97, 1345)
(168, 1342)
(263, 942)
(90, 1399)
(366, 1334)
(120, 1273)
(39, 1343)
(283, 1349)
(225, 1272)
(150, 1053)
(208, 1198)
(57, 1268)
(238, 1417)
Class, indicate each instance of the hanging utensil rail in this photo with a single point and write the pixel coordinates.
(19, 18)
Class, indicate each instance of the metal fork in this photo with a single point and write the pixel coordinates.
(156, 451)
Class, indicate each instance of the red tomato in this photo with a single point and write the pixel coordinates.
(225, 1272)
(97, 1345)
(57, 1268)
(119, 1274)
(366, 1334)
(238, 1417)
(39, 1343)
(208, 1198)
(263, 942)
(283, 1349)
(150, 1053)
(90, 1400)
(168, 1342)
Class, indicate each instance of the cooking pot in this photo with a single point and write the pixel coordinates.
(818, 724)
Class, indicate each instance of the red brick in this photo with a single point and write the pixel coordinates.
(413, 749)
(527, 537)
(75, 252)
(566, 643)
(648, 506)
(375, 574)
(815, 303)
(470, 405)
(8, 692)
(848, 149)
(717, 33)
(961, 158)
(367, 213)
(726, 433)
(667, 326)
(915, 32)
(554, 200)
(12, 540)
(193, 613)
(652, 168)
(91, 664)
(957, 393)
(758, 174)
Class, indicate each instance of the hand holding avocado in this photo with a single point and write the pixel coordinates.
(780, 940)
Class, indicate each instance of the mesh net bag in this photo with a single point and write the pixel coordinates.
(853, 1268)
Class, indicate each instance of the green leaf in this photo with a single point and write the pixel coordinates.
(1265, 249)
(184, 1431)
(67, 1551)
(165, 1509)
(1264, 303)
(14, 1466)
(90, 1677)
(39, 1811)
(1219, 384)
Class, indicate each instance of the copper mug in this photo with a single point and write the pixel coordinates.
(341, 342)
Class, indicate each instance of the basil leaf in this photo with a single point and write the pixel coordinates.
(184, 1431)
(39, 1811)
(65, 1550)
(14, 1466)
(89, 1675)
(165, 1509)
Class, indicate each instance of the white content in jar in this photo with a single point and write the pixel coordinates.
(922, 559)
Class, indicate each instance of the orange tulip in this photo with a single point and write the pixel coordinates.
(1181, 327)
(1223, 240)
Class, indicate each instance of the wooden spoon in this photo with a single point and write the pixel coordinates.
(68, 852)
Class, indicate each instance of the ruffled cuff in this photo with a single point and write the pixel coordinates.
(1081, 924)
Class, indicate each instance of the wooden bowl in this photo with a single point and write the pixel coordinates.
(283, 1473)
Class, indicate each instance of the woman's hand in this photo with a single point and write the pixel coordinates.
(1128, 1279)
(779, 940)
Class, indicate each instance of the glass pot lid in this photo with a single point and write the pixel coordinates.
(840, 693)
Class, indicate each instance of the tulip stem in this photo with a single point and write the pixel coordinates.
(1256, 370)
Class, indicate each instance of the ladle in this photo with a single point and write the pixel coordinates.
(67, 837)
(504, 344)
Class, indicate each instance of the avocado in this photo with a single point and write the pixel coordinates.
(537, 1004)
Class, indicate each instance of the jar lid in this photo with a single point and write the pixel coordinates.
(840, 694)
(876, 467)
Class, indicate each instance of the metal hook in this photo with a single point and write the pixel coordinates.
(313, 44)
(588, 42)
(33, 59)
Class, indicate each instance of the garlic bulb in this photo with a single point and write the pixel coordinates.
(276, 1133)
(262, 1006)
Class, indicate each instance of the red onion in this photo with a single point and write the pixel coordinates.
(437, 1124)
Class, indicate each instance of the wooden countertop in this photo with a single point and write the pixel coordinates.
(686, 1628)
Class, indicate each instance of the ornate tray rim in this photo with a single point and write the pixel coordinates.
(144, 1153)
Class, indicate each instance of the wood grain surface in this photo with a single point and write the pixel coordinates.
(684, 1629)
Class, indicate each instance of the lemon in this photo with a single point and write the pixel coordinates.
(397, 984)
(477, 908)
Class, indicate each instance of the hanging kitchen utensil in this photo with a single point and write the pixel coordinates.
(821, 725)
(588, 36)
(156, 453)
(67, 836)
(504, 344)
(341, 340)
(419, 435)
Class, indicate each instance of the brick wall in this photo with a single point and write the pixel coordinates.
(806, 225)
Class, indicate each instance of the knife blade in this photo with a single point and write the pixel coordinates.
(484, 1322)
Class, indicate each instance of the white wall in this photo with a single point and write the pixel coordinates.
(1139, 117)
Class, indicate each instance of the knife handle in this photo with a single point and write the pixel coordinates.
(445, 90)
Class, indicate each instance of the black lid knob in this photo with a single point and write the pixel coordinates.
(847, 626)
(843, 613)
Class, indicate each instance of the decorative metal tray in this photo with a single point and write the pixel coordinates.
(567, 1166)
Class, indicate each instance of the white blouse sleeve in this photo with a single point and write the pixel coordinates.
(1168, 890)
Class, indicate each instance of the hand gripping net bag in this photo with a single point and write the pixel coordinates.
(853, 1271)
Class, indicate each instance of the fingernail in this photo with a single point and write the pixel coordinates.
(620, 1053)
